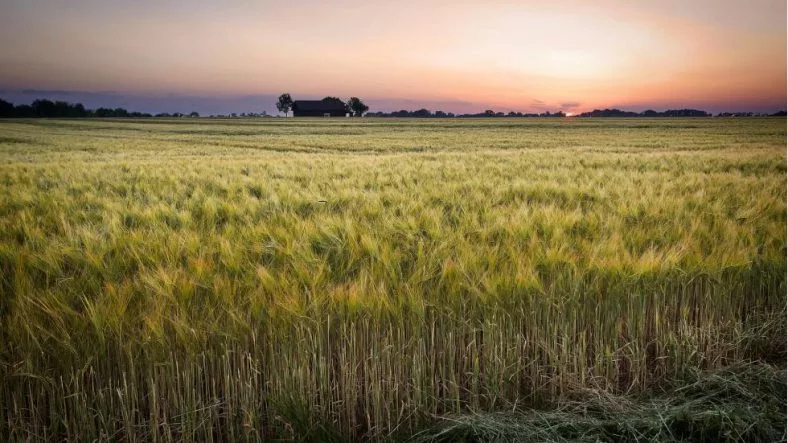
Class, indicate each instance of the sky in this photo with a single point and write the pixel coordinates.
(458, 56)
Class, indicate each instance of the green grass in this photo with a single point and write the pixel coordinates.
(220, 279)
(737, 403)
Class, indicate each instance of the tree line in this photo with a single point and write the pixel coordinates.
(60, 109)
(751, 114)
(43, 108)
(673, 113)
(426, 113)
(649, 113)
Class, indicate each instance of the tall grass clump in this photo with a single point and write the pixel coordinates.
(327, 280)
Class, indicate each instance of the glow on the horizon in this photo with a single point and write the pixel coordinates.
(529, 56)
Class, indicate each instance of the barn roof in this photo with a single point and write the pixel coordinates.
(318, 105)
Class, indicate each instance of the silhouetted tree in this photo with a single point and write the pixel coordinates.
(284, 103)
(609, 113)
(61, 109)
(43, 108)
(77, 110)
(194, 114)
(25, 111)
(7, 109)
(356, 106)
(104, 112)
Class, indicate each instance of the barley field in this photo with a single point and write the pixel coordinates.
(338, 279)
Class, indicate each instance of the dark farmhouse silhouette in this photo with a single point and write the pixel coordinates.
(319, 108)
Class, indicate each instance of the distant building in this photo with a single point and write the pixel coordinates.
(319, 108)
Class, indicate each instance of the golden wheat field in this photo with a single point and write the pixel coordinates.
(358, 279)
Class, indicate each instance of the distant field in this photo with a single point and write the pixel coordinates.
(285, 278)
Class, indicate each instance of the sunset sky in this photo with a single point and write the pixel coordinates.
(461, 56)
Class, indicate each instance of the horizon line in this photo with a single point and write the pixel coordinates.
(175, 95)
